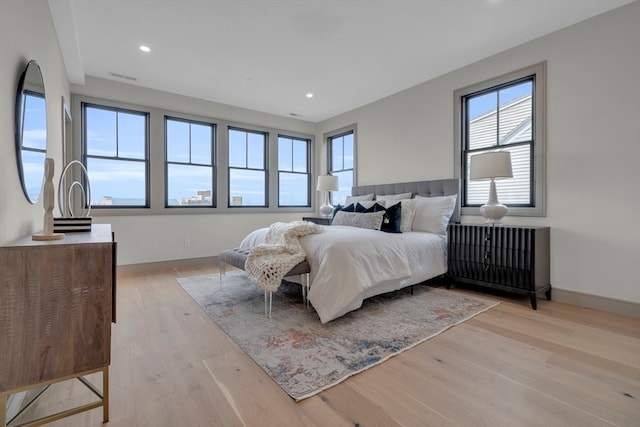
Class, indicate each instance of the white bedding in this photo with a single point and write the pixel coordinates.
(349, 264)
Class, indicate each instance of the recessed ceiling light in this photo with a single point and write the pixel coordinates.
(309, 95)
(145, 49)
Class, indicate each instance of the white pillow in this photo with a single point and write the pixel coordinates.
(433, 213)
(352, 199)
(393, 196)
(367, 203)
(407, 212)
(370, 220)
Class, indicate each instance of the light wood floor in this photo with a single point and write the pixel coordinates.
(561, 365)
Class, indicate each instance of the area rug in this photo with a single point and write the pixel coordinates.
(304, 356)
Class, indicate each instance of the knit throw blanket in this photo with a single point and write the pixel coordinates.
(268, 262)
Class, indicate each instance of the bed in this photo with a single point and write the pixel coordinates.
(350, 264)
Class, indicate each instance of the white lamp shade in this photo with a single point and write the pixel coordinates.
(327, 183)
(494, 164)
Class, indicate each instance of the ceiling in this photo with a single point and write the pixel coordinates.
(266, 55)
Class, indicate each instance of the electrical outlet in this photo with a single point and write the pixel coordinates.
(187, 243)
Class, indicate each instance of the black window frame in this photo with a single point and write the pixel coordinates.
(213, 164)
(307, 142)
(265, 165)
(146, 160)
(537, 74)
(156, 157)
(331, 170)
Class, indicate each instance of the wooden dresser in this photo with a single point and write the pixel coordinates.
(57, 302)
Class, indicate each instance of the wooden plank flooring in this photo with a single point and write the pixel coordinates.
(561, 365)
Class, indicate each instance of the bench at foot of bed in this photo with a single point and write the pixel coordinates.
(238, 257)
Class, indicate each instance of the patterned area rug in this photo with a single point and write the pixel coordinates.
(304, 356)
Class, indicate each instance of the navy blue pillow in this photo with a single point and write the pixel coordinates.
(392, 216)
(361, 209)
(349, 208)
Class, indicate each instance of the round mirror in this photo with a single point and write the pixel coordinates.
(31, 130)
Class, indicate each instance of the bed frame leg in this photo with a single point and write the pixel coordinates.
(305, 288)
(268, 300)
(222, 271)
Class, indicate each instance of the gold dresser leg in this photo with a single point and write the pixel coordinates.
(3, 408)
(105, 394)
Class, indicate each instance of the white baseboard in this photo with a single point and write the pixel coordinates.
(611, 305)
(150, 266)
(596, 302)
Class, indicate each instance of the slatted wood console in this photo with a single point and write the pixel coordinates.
(57, 302)
(512, 259)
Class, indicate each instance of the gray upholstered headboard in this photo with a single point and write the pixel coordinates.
(441, 187)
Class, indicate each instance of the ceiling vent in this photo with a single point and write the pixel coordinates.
(123, 77)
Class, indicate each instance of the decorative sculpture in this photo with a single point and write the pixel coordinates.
(70, 181)
(66, 203)
(48, 200)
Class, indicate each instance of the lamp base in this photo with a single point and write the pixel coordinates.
(493, 213)
(326, 210)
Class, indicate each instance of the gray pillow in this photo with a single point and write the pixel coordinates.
(370, 220)
(393, 196)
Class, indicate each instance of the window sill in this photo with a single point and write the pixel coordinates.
(111, 212)
(537, 211)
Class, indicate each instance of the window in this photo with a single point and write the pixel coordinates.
(247, 168)
(189, 163)
(504, 114)
(143, 160)
(293, 171)
(116, 156)
(341, 156)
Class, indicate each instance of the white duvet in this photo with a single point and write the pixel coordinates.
(349, 264)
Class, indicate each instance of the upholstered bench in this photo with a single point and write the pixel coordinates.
(238, 257)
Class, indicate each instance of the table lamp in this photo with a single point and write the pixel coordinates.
(327, 183)
(491, 166)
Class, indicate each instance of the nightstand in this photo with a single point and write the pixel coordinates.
(317, 220)
(512, 259)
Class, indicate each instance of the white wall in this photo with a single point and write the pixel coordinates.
(593, 145)
(27, 32)
(154, 238)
